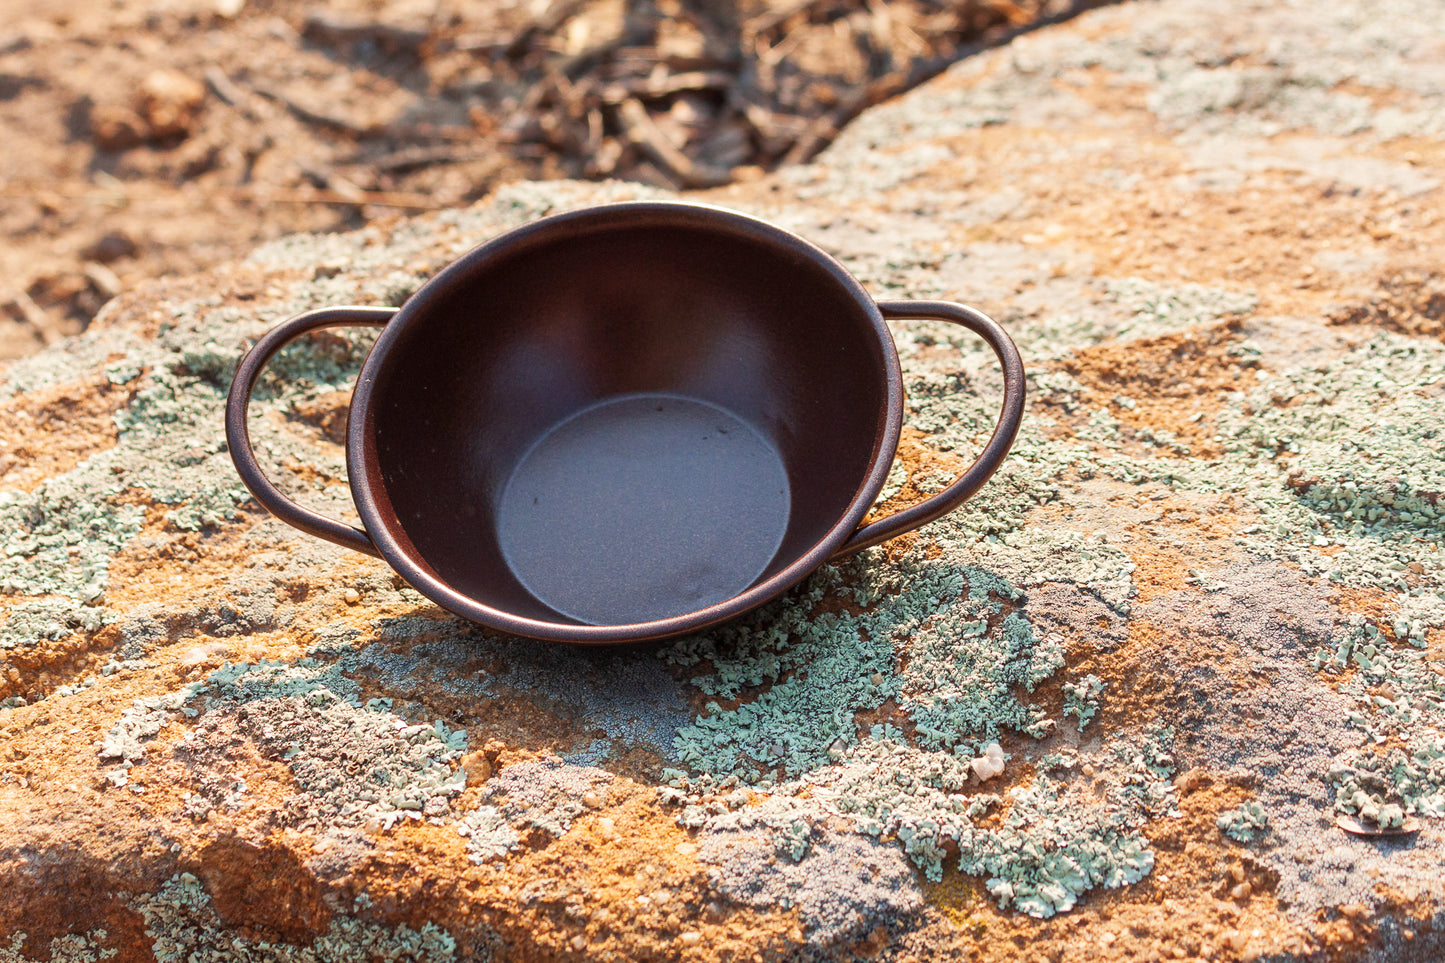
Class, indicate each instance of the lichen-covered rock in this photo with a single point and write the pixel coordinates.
(1197, 616)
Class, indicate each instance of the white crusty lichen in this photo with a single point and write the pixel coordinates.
(843, 887)
(185, 928)
(544, 795)
(145, 718)
(351, 765)
(789, 824)
(1060, 837)
(488, 834)
(73, 948)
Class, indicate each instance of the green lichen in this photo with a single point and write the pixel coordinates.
(1063, 835)
(53, 618)
(1121, 310)
(1346, 465)
(72, 948)
(1156, 310)
(185, 928)
(1059, 840)
(60, 538)
(1081, 699)
(544, 796)
(1050, 851)
(1399, 701)
(989, 532)
(810, 674)
(1383, 788)
(1246, 823)
(961, 677)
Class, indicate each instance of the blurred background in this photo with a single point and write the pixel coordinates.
(140, 138)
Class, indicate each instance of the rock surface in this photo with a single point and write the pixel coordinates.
(1199, 611)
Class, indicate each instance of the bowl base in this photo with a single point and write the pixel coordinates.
(643, 507)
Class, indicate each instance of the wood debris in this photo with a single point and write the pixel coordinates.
(213, 133)
(691, 90)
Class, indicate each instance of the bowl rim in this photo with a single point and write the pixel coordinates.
(389, 534)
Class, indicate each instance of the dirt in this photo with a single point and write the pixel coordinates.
(1177, 382)
(150, 138)
(29, 450)
(1411, 301)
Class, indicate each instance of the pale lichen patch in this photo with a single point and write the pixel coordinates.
(185, 928)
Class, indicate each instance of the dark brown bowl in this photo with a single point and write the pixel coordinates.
(624, 423)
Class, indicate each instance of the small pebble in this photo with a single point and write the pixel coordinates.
(1189, 781)
(607, 827)
(990, 764)
(591, 800)
(579, 943)
(1242, 891)
(690, 938)
(352, 596)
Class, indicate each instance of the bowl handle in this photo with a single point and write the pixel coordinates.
(998, 445)
(238, 436)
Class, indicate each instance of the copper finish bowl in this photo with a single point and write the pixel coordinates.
(624, 423)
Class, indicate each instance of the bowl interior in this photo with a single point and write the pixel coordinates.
(632, 419)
